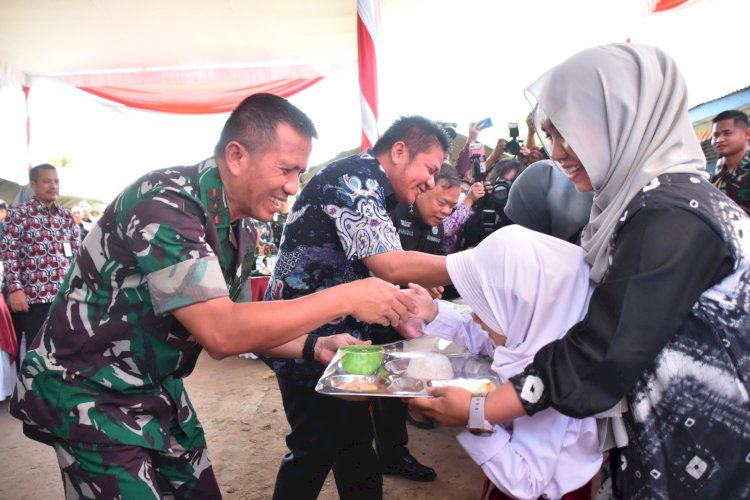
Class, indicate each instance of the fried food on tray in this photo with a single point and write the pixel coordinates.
(358, 386)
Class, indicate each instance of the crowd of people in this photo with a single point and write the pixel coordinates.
(606, 273)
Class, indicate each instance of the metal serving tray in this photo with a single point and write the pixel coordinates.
(470, 371)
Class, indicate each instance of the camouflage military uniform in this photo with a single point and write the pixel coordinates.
(106, 372)
(736, 184)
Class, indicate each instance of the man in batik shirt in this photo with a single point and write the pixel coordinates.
(38, 244)
(156, 281)
(339, 231)
(731, 134)
(420, 228)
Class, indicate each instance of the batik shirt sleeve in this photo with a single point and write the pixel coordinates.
(167, 236)
(357, 209)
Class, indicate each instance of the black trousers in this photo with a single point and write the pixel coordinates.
(326, 433)
(389, 423)
(388, 414)
(30, 322)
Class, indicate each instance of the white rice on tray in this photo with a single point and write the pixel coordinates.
(430, 343)
(430, 366)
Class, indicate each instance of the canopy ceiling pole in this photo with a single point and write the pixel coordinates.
(367, 23)
(26, 89)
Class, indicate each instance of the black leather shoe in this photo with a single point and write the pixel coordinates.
(407, 467)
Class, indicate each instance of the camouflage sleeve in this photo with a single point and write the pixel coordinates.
(245, 294)
(167, 236)
(186, 283)
(75, 233)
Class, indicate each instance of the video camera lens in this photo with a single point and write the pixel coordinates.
(500, 193)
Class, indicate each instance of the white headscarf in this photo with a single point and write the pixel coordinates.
(526, 285)
(623, 109)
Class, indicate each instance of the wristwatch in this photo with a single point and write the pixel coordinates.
(478, 425)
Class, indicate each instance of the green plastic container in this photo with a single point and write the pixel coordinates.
(361, 359)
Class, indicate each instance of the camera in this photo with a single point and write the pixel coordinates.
(489, 214)
(513, 147)
(449, 128)
(476, 151)
(500, 193)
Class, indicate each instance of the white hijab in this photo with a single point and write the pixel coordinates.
(623, 109)
(526, 285)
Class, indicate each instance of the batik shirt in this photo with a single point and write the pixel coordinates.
(453, 226)
(339, 218)
(736, 184)
(38, 245)
(680, 357)
(108, 365)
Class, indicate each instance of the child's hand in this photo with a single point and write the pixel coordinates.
(427, 309)
(410, 329)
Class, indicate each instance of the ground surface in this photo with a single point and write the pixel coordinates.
(239, 405)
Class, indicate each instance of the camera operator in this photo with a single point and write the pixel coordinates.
(489, 212)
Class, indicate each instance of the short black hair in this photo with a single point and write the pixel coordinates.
(448, 176)
(417, 132)
(34, 172)
(738, 116)
(253, 123)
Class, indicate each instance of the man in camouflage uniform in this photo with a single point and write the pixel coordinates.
(731, 140)
(156, 281)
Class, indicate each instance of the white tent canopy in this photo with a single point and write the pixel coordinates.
(452, 61)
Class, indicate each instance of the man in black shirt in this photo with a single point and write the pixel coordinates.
(420, 229)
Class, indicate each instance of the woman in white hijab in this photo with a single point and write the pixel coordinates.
(667, 325)
(514, 313)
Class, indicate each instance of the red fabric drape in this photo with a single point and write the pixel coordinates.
(662, 5)
(195, 98)
(8, 342)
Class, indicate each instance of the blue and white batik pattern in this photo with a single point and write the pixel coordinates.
(339, 218)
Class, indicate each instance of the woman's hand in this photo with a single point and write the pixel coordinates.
(449, 406)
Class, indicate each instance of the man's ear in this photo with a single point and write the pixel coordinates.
(399, 153)
(233, 154)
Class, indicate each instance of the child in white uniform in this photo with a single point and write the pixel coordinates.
(526, 289)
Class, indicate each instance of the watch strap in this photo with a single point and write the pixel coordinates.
(308, 349)
(477, 423)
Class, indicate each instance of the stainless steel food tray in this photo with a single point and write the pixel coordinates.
(470, 371)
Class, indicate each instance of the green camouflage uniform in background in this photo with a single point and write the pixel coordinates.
(105, 375)
(736, 184)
